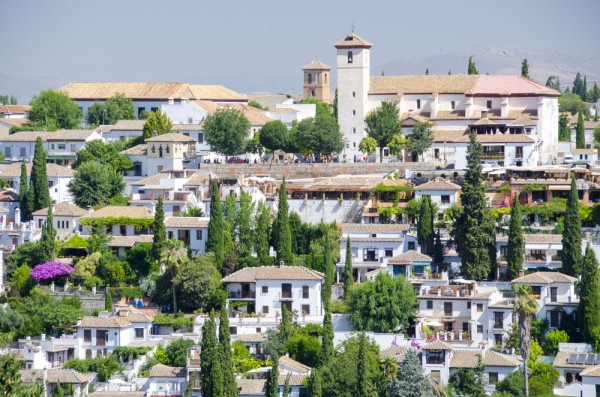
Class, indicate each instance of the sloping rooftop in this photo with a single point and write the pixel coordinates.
(12, 109)
(114, 211)
(437, 345)
(251, 274)
(60, 135)
(171, 137)
(510, 85)
(128, 241)
(64, 376)
(15, 122)
(353, 40)
(592, 371)
(422, 84)
(250, 337)
(129, 125)
(395, 352)
(53, 170)
(410, 256)
(165, 371)
(152, 180)
(186, 221)
(103, 322)
(62, 209)
(316, 65)
(438, 184)
(499, 138)
(372, 228)
(254, 115)
(340, 183)
(447, 135)
(135, 150)
(469, 359)
(539, 238)
(545, 278)
(295, 365)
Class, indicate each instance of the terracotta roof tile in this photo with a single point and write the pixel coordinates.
(62, 209)
(171, 137)
(251, 386)
(152, 180)
(251, 274)
(395, 352)
(592, 371)
(469, 359)
(129, 125)
(135, 150)
(103, 322)
(437, 345)
(12, 109)
(185, 221)
(15, 122)
(447, 135)
(165, 371)
(423, 84)
(499, 138)
(316, 65)
(410, 256)
(115, 211)
(295, 365)
(64, 376)
(438, 184)
(545, 278)
(372, 228)
(53, 170)
(353, 41)
(538, 238)
(250, 337)
(128, 241)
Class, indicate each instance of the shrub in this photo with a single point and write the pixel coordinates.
(50, 270)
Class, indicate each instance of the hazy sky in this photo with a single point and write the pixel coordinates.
(181, 40)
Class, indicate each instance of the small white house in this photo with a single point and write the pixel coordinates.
(167, 381)
(442, 192)
(59, 178)
(116, 219)
(171, 151)
(66, 218)
(193, 231)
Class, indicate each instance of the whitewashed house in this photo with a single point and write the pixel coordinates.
(541, 251)
(442, 192)
(192, 231)
(116, 219)
(167, 381)
(66, 218)
(14, 232)
(14, 111)
(52, 378)
(59, 178)
(123, 130)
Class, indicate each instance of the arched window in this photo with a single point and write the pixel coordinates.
(349, 56)
(312, 92)
(168, 150)
(316, 78)
(309, 78)
(160, 150)
(325, 78)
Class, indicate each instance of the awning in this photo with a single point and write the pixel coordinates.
(560, 187)
(434, 323)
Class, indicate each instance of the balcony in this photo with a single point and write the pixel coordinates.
(492, 156)
(286, 296)
(536, 258)
(241, 295)
(498, 324)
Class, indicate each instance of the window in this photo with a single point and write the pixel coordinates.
(411, 245)
(354, 252)
(445, 199)
(50, 183)
(354, 112)
(265, 309)
(492, 378)
(312, 92)
(435, 357)
(354, 144)
(170, 235)
(325, 78)
(123, 230)
(498, 320)
(350, 57)
(139, 333)
(140, 110)
(87, 335)
(88, 353)
(389, 252)
(67, 223)
(233, 330)
(22, 152)
(480, 307)
(353, 94)
(447, 308)
(7, 152)
(480, 328)
(310, 78)
(489, 105)
(553, 294)
(536, 290)
(465, 326)
(436, 153)
(430, 304)
(418, 104)
(62, 146)
(468, 305)
(101, 337)
(153, 109)
(258, 330)
(265, 289)
(453, 104)
(498, 340)
(305, 292)
(354, 130)
(554, 319)
(200, 138)
(306, 309)
(286, 290)
(52, 146)
(198, 234)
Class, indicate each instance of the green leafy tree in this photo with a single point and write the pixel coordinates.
(48, 238)
(211, 375)
(382, 124)
(10, 377)
(28, 254)
(571, 239)
(474, 231)
(262, 232)
(226, 131)
(314, 384)
(525, 306)
(553, 82)
(39, 178)
(159, 229)
(216, 242)
(108, 304)
(158, 123)
(421, 138)
(327, 341)
(274, 135)
(177, 352)
(553, 339)
(21, 281)
(23, 189)
(472, 69)
(173, 255)
(318, 135)
(368, 145)
(272, 388)
(115, 108)
(564, 132)
(363, 386)
(245, 219)
(98, 241)
(572, 103)
(141, 258)
(329, 270)
(580, 133)
(398, 144)
(199, 285)
(515, 250)
(394, 297)
(283, 236)
(53, 110)
(525, 68)
(425, 232)
(469, 382)
(192, 212)
(410, 381)
(91, 185)
(229, 383)
(589, 301)
(85, 268)
(348, 276)
(105, 153)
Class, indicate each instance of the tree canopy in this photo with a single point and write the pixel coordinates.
(421, 138)
(472, 69)
(382, 124)
(317, 135)
(226, 131)
(52, 110)
(108, 112)
(94, 184)
(274, 135)
(157, 123)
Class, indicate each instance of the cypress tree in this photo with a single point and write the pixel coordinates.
(160, 231)
(285, 328)
(314, 384)
(327, 340)
(245, 231)
(589, 300)
(39, 178)
(261, 241)
(283, 238)
(571, 237)
(362, 385)
(216, 240)
(515, 250)
(525, 68)
(425, 226)
(475, 231)
(329, 270)
(438, 249)
(211, 375)
(348, 277)
(286, 387)
(23, 194)
(584, 95)
(578, 85)
(108, 304)
(471, 69)
(272, 389)
(580, 133)
(47, 240)
(229, 383)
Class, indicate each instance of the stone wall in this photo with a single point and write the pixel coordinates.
(278, 171)
(89, 300)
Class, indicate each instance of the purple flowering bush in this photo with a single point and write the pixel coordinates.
(50, 271)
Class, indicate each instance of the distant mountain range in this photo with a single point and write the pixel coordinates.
(491, 59)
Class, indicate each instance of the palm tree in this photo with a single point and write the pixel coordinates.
(172, 256)
(525, 306)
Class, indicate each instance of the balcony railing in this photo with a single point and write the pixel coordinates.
(498, 324)
(536, 258)
(242, 295)
(495, 156)
(286, 295)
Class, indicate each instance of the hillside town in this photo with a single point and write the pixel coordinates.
(372, 235)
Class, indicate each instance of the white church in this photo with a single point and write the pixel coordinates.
(516, 119)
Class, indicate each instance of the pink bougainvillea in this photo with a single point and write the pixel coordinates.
(50, 270)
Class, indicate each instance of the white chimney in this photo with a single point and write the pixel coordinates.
(17, 217)
(89, 209)
(184, 101)
(152, 208)
(43, 337)
(171, 101)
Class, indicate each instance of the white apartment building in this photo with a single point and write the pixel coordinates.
(442, 192)
(59, 178)
(65, 217)
(490, 105)
(15, 233)
(192, 231)
(116, 220)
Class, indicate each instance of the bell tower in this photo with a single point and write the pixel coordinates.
(317, 81)
(353, 80)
